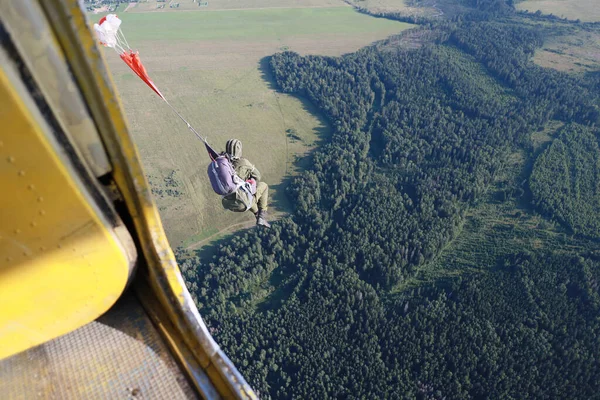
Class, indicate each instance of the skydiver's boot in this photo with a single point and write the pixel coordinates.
(261, 218)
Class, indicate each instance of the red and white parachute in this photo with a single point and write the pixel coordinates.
(108, 31)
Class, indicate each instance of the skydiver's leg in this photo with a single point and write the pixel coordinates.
(254, 207)
(262, 196)
(261, 200)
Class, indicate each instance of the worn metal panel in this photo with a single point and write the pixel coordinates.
(119, 356)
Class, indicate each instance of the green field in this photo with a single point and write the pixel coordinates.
(211, 65)
(584, 10)
(251, 24)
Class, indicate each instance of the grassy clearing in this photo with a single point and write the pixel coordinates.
(212, 68)
(576, 52)
(570, 47)
(541, 139)
(584, 10)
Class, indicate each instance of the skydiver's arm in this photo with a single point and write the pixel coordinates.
(255, 173)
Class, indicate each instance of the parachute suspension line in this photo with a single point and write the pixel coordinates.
(191, 128)
(119, 49)
(121, 40)
(211, 152)
(121, 46)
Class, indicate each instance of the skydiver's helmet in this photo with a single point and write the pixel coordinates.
(233, 147)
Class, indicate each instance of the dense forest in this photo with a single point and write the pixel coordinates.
(566, 180)
(392, 278)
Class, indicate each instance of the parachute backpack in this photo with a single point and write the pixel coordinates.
(222, 176)
(225, 182)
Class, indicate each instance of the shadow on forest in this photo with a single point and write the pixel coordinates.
(266, 74)
(211, 248)
(279, 200)
(323, 130)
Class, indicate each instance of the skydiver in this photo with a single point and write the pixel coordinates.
(247, 172)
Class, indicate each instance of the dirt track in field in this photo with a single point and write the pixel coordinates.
(230, 228)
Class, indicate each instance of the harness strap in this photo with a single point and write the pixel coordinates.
(245, 187)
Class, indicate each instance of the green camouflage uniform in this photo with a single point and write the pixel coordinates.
(246, 170)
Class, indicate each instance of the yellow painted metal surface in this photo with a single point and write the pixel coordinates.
(61, 265)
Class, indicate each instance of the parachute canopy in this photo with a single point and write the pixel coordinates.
(109, 33)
